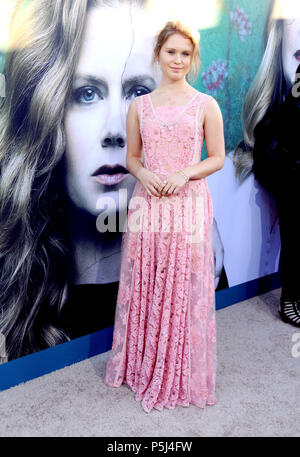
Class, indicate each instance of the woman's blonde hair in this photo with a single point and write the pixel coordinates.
(171, 28)
(265, 92)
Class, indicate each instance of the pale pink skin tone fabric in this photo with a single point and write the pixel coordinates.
(164, 341)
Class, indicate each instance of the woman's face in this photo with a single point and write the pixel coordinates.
(175, 56)
(108, 76)
(291, 48)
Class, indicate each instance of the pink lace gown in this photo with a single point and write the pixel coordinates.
(164, 341)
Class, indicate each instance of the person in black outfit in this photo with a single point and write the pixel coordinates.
(276, 165)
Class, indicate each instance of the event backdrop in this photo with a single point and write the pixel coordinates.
(68, 74)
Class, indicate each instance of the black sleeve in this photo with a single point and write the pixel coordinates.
(266, 163)
(276, 152)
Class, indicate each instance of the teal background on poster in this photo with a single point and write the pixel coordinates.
(236, 43)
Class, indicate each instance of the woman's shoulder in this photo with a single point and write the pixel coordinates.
(203, 94)
(205, 99)
(210, 102)
(137, 101)
(139, 98)
(207, 96)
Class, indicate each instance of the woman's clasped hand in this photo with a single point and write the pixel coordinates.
(157, 187)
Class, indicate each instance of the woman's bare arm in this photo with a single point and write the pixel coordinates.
(215, 144)
(134, 141)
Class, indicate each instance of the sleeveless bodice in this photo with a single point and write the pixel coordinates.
(172, 135)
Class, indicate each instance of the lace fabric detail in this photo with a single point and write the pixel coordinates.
(169, 148)
(164, 341)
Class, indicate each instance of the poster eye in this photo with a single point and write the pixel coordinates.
(136, 91)
(87, 95)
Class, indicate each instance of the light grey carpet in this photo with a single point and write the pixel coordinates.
(258, 389)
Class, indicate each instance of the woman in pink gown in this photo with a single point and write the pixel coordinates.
(164, 342)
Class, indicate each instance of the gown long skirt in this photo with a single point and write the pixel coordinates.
(164, 344)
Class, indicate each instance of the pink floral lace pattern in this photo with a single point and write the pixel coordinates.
(164, 341)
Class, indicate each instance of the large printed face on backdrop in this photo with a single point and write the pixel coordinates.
(114, 67)
(291, 48)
